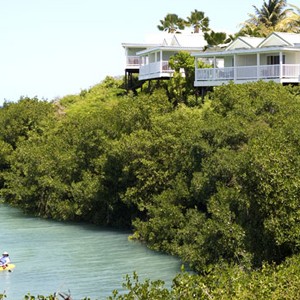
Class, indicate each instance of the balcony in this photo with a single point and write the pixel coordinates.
(133, 62)
(155, 70)
(285, 73)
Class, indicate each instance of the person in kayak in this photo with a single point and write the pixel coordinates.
(4, 260)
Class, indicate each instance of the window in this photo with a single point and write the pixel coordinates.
(275, 59)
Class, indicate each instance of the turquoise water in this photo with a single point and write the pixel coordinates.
(89, 261)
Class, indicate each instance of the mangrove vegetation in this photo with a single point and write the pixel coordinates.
(214, 181)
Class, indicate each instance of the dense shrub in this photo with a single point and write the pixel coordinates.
(215, 184)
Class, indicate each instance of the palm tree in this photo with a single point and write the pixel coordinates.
(294, 19)
(216, 38)
(171, 23)
(198, 21)
(274, 15)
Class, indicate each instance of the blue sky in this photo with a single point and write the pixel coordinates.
(52, 48)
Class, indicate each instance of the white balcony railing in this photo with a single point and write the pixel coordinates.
(133, 61)
(291, 71)
(287, 71)
(155, 68)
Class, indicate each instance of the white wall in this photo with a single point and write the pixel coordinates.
(246, 60)
(133, 51)
(228, 61)
(292, 58)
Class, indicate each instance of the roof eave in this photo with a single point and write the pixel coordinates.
(138, 45)
(169, 48)
(246, 51)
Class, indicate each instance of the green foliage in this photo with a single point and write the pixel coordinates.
(225, 281)
(17, 120)
(70, 171)
(38, 297)
(198, 21)
(5, 151)
(157, 156)
(141, 290)
(93, 99)
(54, 174)
(171, 23)
(274, 15)
(216, 185)
(261, 117)
(179, 86)
(227, 212)
(228, 282)
(216, 38)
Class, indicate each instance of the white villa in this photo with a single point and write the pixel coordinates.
(151, 59)
(276, 57)
(133, 61)
(155, 61)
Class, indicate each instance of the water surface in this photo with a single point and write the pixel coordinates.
(89, 261)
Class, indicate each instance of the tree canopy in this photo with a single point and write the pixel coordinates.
(274, 15)
(216, 184)
(208, 182)
(198, 21)
(171, 23)
(199, 24)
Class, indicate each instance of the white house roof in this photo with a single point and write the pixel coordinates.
(188, 40)
(177, 42)
(176, 39)
(244, 42)
(137, 45)
(151, 40)
(246, 51)
(168, 39)
(169, 48)
(280, 39)
(276, 41)
(158, 37)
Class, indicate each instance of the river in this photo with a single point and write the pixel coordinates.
(89, 261)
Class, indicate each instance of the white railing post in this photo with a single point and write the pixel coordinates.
(280, 65)
(214, 72)
(234, 68)
(196, 68)
(258, 65)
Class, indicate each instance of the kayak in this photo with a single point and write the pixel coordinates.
(8, 268)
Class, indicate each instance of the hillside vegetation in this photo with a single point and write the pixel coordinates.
(214, 182)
